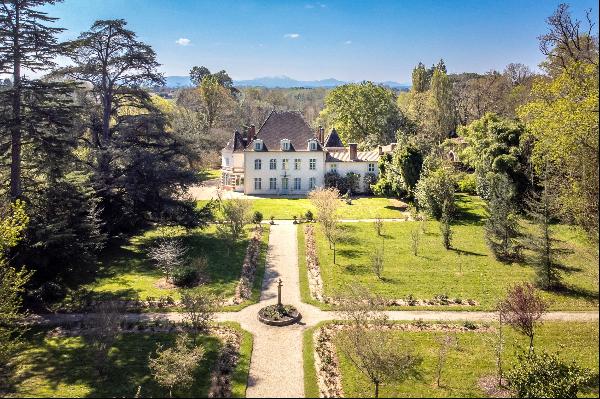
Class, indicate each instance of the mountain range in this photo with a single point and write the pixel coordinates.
(278, 82)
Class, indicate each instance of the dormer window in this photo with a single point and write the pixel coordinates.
(312, 145)
(285, 145)
(258, 145)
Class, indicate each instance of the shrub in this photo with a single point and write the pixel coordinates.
(434, 190)
(368, 180)
(546, 376)
(468, 184)
(309, 216)
(185, 276)
(257, 217)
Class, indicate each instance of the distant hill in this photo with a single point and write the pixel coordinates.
(283, 82)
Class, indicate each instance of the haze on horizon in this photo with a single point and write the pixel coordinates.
(308, 40)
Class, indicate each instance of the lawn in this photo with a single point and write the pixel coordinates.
(127, 273)
(469, 271)
(65, 367)
(361, 208)
(473, 359)
(209, 174)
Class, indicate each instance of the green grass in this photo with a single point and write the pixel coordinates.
(311, 385)
(65, 367)
(474, 358)
(209, 174)
(361, 208)
(469, 271)
(126, 273)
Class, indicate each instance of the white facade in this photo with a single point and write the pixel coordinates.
(283, 172)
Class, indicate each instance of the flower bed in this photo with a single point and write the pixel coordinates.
(243, 291)
(275, 315)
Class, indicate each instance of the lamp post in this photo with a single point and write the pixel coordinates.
(279, 285)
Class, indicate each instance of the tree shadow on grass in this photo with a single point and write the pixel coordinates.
(356, 269)
(465, 252)
(571, 291)
(350, 253)
(71, 361)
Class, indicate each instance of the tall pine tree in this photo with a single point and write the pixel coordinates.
(502, 226)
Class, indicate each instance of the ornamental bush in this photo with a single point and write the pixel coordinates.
(544, 375)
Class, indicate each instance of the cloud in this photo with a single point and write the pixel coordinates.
(291, 35)
(348, 42)
(315, 5)
(182, 41)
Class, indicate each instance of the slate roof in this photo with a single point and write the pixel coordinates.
(344, 156)
(284, 125)
(236, 142)
(333, 140)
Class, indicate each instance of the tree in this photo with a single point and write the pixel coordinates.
(415, 237)
(445, 224)
(116, 65)
(567, 41)
(502, 226)
(399, 173)
(199, 309)
(441, 107)
(103, 326)
(523, 309)
(326, 201)
(370, 345)
(215, 99)
(377, 261)
(236, 214)
(363, 113)
(176, 366)
(434, 189)
(27, 42)
(419, 78)
(544, 375)
(168, 254)
(447, 342)
(198, 73)
(13, 222)
(378, 226)
(541, 241)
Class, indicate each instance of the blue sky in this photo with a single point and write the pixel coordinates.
(347, 40)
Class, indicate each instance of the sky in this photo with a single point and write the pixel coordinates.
(346, 40)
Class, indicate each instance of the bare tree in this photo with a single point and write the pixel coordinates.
(327, 201)
(377, 262)
(567, 41)
(199, 309)
(103, 327)
(378, 226)
(447, 342)
(176, 366)
(415, 236)
(369, 344)
(523, 308)
(168, 254)
(497, 341)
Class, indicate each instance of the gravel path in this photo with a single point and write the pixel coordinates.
(276, 369)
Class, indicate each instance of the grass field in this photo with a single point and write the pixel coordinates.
(469, 271)
(65, 367)
(126, 272)
(361, 208)
(474, 358)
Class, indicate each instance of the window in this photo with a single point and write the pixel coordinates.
(273, 164)
(272, 183)
(297, 162)
(285, 164)
(312, 145)
(285, 145)
(334, 167)
(312, 164)
(312, 183)
(284, 183)
(371, 167)
(297, 183)
(258, 145)
(257, 183)
(257, 164)
(226, 161)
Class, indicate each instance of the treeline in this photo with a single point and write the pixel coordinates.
(513, 137)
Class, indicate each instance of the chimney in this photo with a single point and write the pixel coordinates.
(251, 133)
(353, 151)
(380, 150)
(320, 135)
